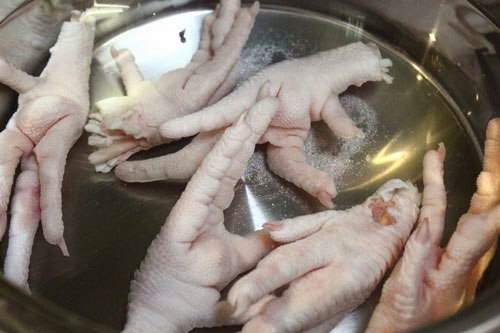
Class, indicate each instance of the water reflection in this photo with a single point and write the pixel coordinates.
(393, 159)
(257, 212)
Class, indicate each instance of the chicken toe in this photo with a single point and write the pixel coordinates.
(23, 224)
(179, 166)
(13, 144)
(130, 73)
(302, 304)
(290, 164)
(487, 196)
(334, 115)
(51, 154)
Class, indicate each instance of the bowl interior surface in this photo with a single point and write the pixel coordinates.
(109, 224)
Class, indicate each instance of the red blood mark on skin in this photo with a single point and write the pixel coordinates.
(380, 213)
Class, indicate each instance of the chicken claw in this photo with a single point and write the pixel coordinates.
(194, 257)
(52, 111)
(308, 91)
(430, 283)
(128, 124)
(332, 261)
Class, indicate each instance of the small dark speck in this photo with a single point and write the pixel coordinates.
(278, 57)
(181, 35)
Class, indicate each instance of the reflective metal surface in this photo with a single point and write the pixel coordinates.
(110, 224)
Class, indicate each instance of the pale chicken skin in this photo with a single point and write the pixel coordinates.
(52, 111)
(331, 262)
(194, 257)
(307, 89)
(125, 125)
(431, 282)
(486, 197)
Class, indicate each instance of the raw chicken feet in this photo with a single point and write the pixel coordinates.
(194, 257)
(52, 111)
(308, 91)
(430, 282)
(128, 124)
(333, 262)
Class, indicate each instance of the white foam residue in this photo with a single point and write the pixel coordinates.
(259, 55)
(256, 58)
(335, 156)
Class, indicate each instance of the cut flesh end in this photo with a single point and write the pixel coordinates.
(379, 211)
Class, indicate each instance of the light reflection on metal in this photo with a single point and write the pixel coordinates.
(108, 5)
(383, 158)
(256, 212)
(420, 72)
(105, 9)
(428, 137)
(419, 77)
(386, 156)
(357, 28)
(149, 54)
(432, 37)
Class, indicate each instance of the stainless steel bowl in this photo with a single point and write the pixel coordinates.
(446, 73)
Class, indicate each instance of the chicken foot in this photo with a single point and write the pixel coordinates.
(332, 261)
(125, 125)
(308, 91)
(194, 257)
(52, 112)
(23, 223)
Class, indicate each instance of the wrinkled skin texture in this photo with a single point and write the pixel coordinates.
(194, 257)
(486, 197)
(125, 125)
(430, 282)
(308, 90)
(331, 262)
(52, 111)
